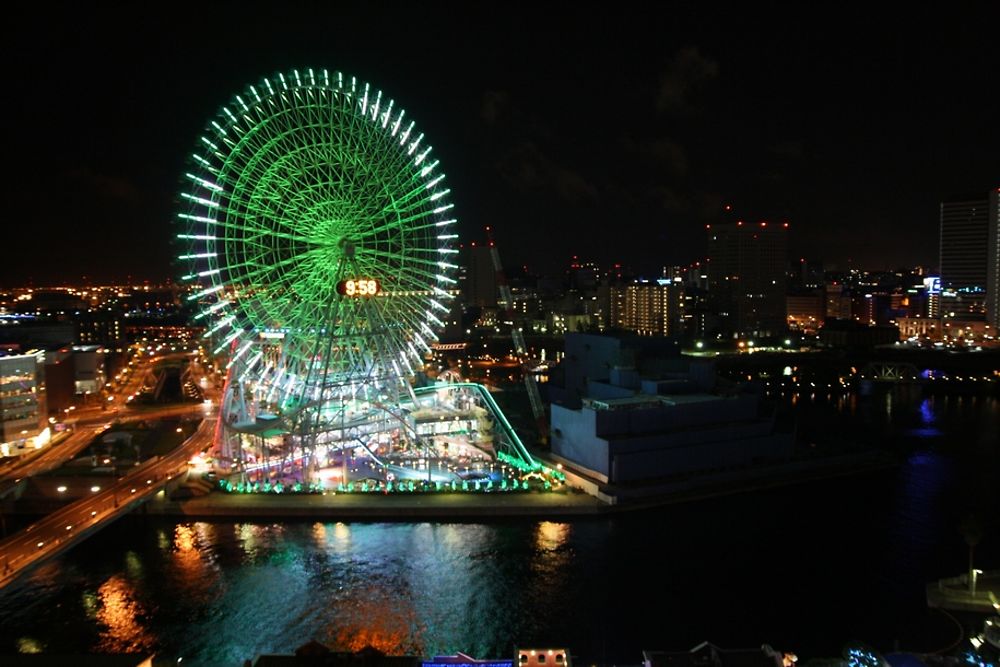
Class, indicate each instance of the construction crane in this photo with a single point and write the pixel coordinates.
(506, 302)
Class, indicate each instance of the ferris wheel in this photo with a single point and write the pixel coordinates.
(318, 231)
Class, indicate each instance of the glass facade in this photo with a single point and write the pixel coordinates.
(22, 403)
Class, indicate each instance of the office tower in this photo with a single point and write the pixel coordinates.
(481, 279)
(993, 260)
(746, 277)
(964, 252)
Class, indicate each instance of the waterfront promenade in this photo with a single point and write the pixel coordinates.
(564, 503)
(381, 507)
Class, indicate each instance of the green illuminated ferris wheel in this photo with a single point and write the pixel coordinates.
(318, 231)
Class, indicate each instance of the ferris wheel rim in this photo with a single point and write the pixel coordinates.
(239, 291)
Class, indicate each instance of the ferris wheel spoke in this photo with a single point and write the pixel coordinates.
(305, 179)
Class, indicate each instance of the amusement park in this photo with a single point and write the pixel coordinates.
(319, 241)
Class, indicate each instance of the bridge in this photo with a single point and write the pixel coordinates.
(53, 534)
(56, 454)
(887, 371)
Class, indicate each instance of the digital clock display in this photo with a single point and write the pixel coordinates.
(359, 287)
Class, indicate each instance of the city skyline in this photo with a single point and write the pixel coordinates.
(451, 330)
(613, 138)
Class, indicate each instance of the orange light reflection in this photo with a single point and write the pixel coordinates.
(122, 617)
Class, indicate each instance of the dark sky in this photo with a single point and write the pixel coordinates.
(613, 131)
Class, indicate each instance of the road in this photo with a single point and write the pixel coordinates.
(61, 529)
(54, 456)
(90, 422)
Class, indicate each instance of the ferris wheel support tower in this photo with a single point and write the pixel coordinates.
(507, 303)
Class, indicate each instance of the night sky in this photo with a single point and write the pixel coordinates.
(613, 131)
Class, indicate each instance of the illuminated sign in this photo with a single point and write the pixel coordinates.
(359, 287)
(933, 284)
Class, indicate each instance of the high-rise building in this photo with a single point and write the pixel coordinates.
(648, 309)
(964, 252)
(993, 260)
(746, 276)
(481, 279)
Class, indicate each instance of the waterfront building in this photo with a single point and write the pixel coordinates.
(640, 415)
(855, 334)
(967, 330)
(317, 654)
(542, 657)
(464, 660)
(746, 277)
(964, 330)
(928, 328)
(707, 654)
(589, 356)
(23, 409)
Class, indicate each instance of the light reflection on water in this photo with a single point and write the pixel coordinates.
(122, 617)
(221, 593)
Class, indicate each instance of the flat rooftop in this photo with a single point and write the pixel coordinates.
(641, 401)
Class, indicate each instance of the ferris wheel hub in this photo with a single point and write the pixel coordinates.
(347, 247)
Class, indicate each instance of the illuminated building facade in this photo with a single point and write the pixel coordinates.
(932, 288)
(89, 363)
(22, 403)
(99, 328)
(542, 657)
(948, 329)
(920, 327)
(746, 276)
(648, 309)
(806, 311)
